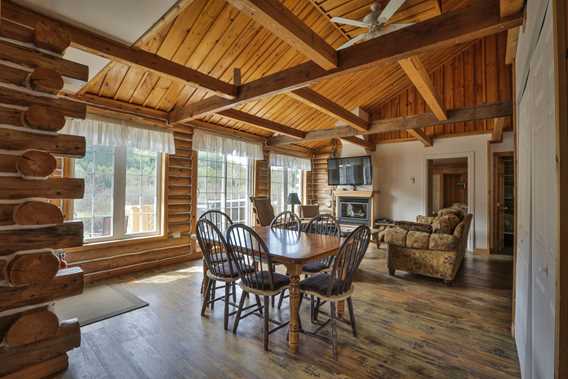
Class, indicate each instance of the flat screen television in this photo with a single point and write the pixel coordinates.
(352, 171)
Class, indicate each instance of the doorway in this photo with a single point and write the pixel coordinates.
(447, 180)
(503, 203)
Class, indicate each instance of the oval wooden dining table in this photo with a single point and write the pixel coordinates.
(293, 250)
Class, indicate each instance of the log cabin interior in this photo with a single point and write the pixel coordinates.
(283, 188)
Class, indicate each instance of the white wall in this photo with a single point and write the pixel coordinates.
(400, 176)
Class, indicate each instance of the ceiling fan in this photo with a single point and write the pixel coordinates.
(374, 21)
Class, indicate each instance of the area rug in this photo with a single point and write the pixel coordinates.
(97, 304)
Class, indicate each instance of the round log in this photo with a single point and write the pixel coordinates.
(31, 328)
(36, 164)
(37, 213)
(46, 80)
(44, 118)
(34, 268)
(50, 36)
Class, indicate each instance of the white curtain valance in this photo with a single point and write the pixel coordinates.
(287, 161)
(212, 143)
(111, 132)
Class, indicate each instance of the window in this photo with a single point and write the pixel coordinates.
(224, 183)
(122, 193)
(284, 181)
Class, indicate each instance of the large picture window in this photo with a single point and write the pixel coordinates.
(224, 183)
(122, 193)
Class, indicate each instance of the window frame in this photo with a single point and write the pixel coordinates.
(119, 226)
(285, 186)
(249, 219)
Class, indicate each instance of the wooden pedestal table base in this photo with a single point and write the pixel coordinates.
(294, 271)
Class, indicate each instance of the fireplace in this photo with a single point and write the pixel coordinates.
(354, 210)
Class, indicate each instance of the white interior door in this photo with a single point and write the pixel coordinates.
(523, 286)
(544, 202)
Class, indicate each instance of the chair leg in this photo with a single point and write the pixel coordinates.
(213, 289)
(316, 310)
(333, 329)
(238, 315)
(234, 292)
(228, 288)
(352, 316)
(312, 308)
(206, 297)
(266, 319)
(259, 303)
(281, 298)
(299, 308)
(273, 300)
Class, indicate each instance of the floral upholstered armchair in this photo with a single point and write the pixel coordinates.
(432, 246)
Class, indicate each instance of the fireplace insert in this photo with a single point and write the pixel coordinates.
(354, 210)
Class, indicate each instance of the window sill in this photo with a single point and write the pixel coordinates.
(118, 243)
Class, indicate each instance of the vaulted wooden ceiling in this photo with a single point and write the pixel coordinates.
(215, 38)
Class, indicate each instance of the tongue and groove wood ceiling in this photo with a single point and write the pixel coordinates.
(215, 38)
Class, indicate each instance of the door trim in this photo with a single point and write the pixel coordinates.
(493, 201)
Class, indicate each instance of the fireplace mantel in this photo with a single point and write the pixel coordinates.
(363, 194)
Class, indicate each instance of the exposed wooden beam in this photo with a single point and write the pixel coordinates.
(274, 16)
(325, 105)
(507, 8)
(419, 76)
(510, 7)
(467, 24)
(262, 123)
(498, 128)
(361, 142)
(421, 136)
(512, 42)
(108, 48)
(120, 106)
(438, 6)
(482, 112)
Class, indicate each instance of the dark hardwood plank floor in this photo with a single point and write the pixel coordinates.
(409, 327)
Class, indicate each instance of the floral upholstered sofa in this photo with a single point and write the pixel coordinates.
(431, 246)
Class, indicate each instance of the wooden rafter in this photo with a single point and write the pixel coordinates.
(482, 112)
(418, 75)
(108, 48)
(477, 21)
(325, 105)
(262, 123)
(274, 16)
(361, 142)
(507, 8)
(421, 135)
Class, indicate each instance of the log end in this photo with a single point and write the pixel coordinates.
(50, 36)
(37, 213)
(46, 80)
(43, 118)
(28, 269)
(35, 163)
(31, 328)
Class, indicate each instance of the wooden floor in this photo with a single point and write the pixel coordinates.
(409, 326)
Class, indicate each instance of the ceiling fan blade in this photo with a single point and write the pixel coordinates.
(353, 41)
(348, 21)
(390, 10)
